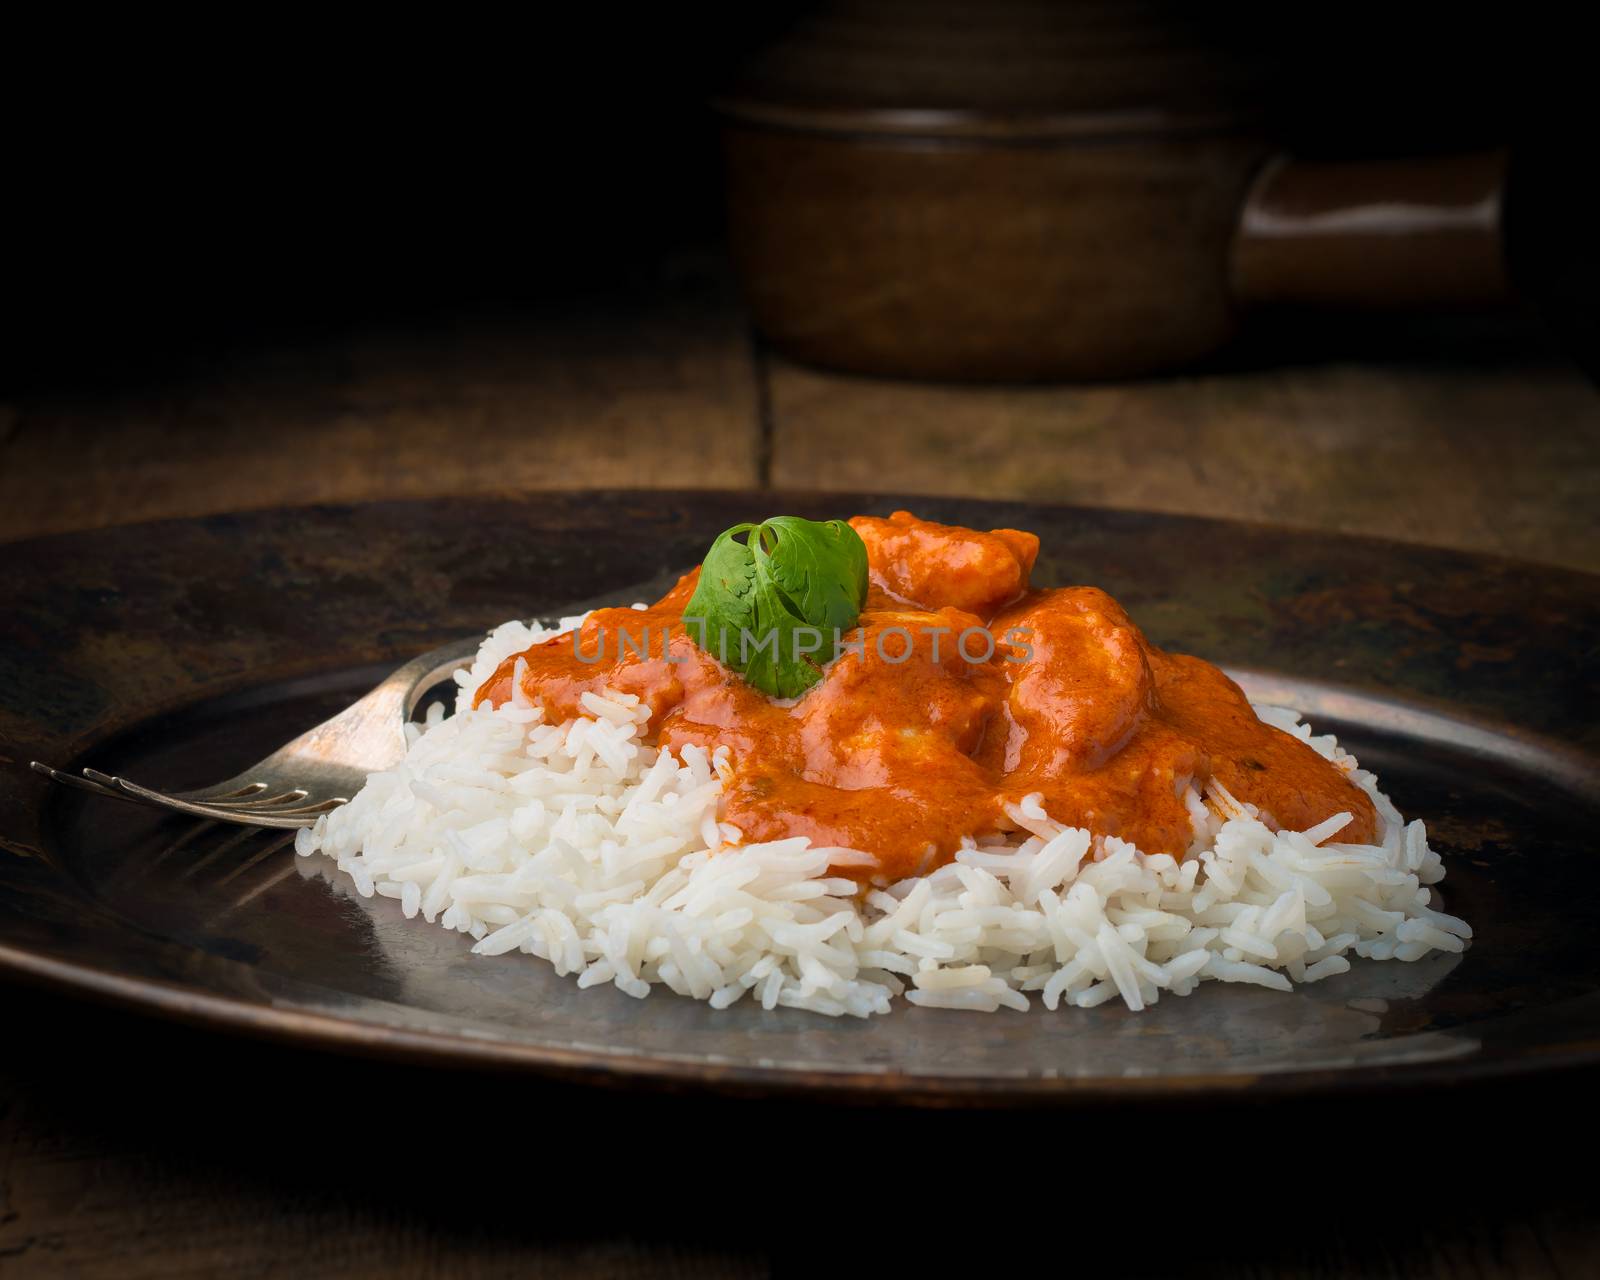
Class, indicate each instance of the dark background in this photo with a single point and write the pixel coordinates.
(177, 189)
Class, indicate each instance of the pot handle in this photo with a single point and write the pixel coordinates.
(1383, 234)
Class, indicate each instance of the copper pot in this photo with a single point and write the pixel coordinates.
(1058, 192)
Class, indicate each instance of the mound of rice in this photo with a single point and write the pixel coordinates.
(583, 845)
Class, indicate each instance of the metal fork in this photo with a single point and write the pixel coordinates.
(316, 772)
(322, 768)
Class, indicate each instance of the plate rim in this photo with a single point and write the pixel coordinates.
(325, 1032)
(331, 1032)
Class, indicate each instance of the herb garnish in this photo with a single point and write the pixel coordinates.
(764, 605)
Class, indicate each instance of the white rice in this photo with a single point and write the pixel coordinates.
(579, 843)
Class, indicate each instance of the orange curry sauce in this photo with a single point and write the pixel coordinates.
(904, 758)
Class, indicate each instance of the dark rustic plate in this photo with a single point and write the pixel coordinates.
(178, 652)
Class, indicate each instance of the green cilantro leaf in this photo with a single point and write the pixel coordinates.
(768, 606)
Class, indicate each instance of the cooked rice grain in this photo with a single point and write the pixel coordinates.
(581, 844)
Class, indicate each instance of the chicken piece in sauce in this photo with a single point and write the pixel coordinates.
(914, 741)
(943, 565)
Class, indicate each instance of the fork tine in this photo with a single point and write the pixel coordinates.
(249, 789)
(290, 817)
(254, 802)
(299, 816)
(294, 798)
(243, 797)
(123, 787)
(206, 809)
(108, 785)
(322, 805)
(297, 806)
(73, 780)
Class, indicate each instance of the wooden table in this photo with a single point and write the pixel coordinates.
(130, 1150)
(1497, 452)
